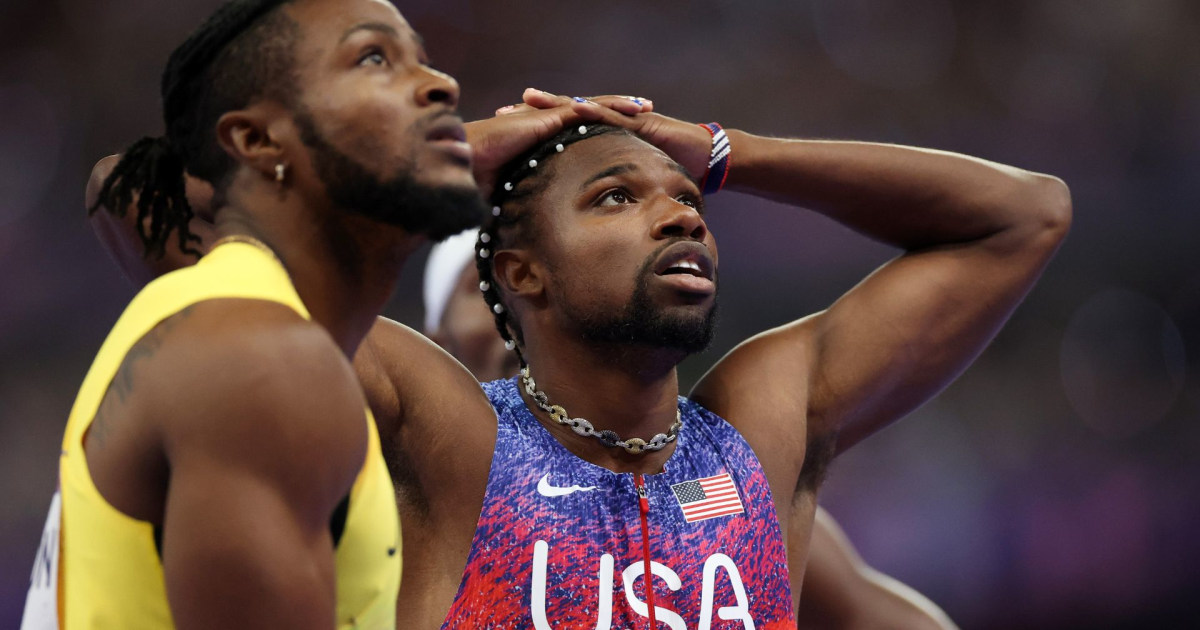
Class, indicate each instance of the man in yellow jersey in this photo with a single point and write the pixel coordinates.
(219, 469)
(412, 386)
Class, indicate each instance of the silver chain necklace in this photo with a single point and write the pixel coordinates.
(635, 446)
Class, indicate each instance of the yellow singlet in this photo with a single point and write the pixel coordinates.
(104, 571)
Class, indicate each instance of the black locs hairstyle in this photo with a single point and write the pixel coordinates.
(243, 51)
(510, 219)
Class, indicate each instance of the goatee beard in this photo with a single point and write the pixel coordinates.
(643, 323)
(401, 201)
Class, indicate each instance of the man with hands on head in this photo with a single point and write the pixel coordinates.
(601, 274)
(839, 590)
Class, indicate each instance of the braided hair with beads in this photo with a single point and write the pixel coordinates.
(520, 181)
(510, 224)
(244, 51)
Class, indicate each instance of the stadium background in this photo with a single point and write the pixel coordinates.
(1056, 485)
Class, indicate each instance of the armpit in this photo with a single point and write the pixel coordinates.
(818, 455)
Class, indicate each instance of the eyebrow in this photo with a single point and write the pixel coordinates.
(621, 169)
(379, 27)
(682, 171)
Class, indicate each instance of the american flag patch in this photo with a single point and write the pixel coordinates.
(707, 498)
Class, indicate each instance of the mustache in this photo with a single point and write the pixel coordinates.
(436, 118)
(647, 267)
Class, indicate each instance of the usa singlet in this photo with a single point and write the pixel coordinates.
(562, 543)
(98, 568)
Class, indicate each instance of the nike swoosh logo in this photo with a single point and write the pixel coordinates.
(545, 489)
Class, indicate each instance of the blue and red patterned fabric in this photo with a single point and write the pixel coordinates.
(559, 542)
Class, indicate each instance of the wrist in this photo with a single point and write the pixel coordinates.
(757, 157)
(719, 160)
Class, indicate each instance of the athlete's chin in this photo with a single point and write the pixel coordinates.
(689, 309)
(445, 173)
(689, 331)
(434, 212)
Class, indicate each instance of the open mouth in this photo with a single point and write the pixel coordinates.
(689, 267)
(686, 258)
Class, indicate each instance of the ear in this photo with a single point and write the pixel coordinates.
(518, 274)
(248, 136)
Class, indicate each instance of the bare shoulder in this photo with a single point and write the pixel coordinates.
(403, 349)
(263, 426)
(762, 381)
(422, 376)
(761, 387)
(252, 384)
(119, 232)
(100, 172)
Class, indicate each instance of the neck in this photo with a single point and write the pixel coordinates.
(629, 390)
(343, 266)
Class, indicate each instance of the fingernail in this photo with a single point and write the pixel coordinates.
(506, 108)
(580, 99)
(636, 100)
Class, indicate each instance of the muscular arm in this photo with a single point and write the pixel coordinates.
(841, 591)
(976, 236)
(263, 443)
(235, 427)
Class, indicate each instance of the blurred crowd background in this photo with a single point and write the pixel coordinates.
(1055, 485)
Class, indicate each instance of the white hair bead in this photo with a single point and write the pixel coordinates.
(582, 129)
(499, 308)
(484, 237)
(532, 163)
(484, 286)
(508, 186)
(483, 253)
(559, 147)
(510, 345)
(495, 211)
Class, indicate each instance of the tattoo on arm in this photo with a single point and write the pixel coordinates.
(123, 382)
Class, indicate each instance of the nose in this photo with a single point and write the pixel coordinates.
(438, 88)
(677, 220)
